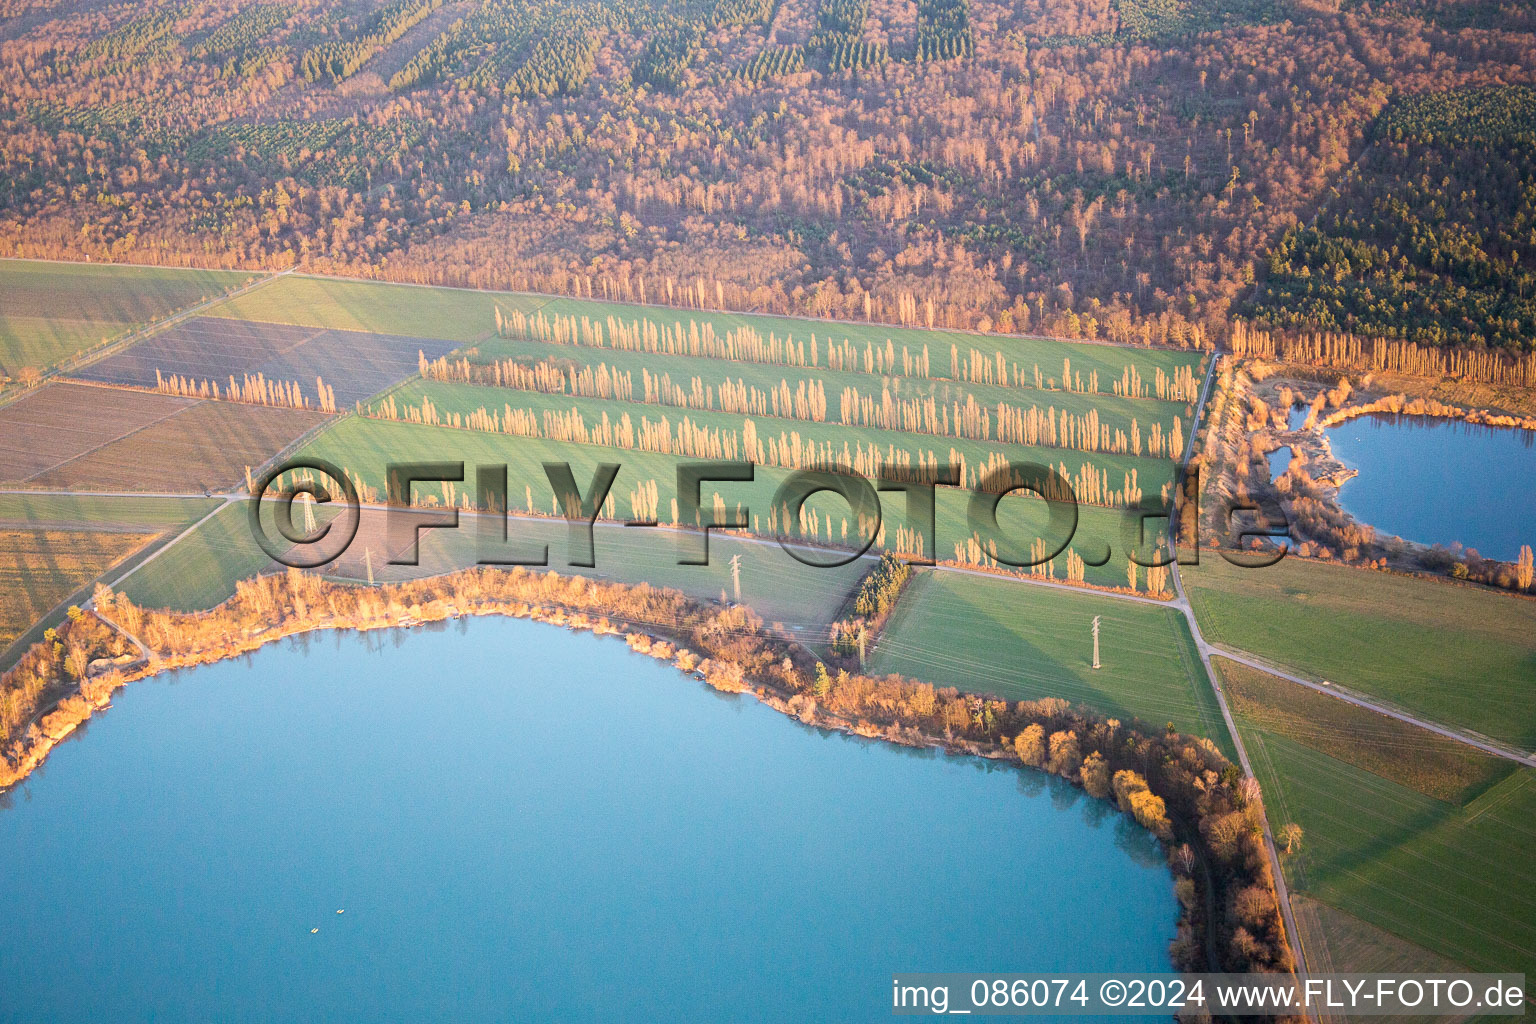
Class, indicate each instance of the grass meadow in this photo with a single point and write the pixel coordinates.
(1457, 880)
(1424, 761)
(101, 512)
(200, 568)
(364, 447)
(1021, 641)
(54, 310)
(1407, 833)
(803, 598)
(1458, 655)
(469, 316)
(1338, 942)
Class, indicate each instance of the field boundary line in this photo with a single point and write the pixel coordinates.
(1495, 800)
(192, 528)
(120, 437)
(548, 297)
(136, 334)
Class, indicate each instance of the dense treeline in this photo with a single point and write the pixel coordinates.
(838, 39)
(341, 58)
(1166, 19)
(138, 35)
(559, 64)
(944, 29)
(1349, 352)
(44, 693)
(774, 61)
(741, 12)
(479, 50)
(1182, 789)
(1432, 238)
(873, 601)
(665, 59)
(242, 33)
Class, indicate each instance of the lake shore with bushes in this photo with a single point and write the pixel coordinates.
(1206, 812)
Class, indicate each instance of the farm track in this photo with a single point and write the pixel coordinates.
(1207, 651)
(1282, 891)
(110, 441)
(139, 334)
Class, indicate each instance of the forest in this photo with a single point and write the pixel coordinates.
(1139, 171)
(1431, 239)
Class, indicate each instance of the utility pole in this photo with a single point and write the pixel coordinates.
(1095, 641)
(736, 576)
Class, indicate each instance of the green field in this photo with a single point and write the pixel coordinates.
(466, 315)
(1022, 641)
(454, 315)
(1395, 750)
(1340, 943)
(466, 399)
(200, 568)
(54, 310)
(1115, 412)
(101, 511)
(1409, 840)
(1457, 880)
(803, 598)
(364, 447)
(1458, 655)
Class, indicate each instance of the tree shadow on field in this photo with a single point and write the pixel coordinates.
(1005, 654)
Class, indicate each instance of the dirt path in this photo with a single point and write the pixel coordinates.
(139, 334)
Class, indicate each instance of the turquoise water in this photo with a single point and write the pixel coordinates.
(1439, 481)
(522, 822)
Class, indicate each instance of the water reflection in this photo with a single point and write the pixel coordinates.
(572, 834)
(1440, 481)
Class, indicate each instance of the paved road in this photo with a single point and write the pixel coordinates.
(1282, 891)
(1181, 602)
(1348, 697)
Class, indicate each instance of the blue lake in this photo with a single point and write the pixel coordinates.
(521, 822)
(1440, 481)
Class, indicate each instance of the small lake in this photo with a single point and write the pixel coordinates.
(521, 822)
(1438, 481)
